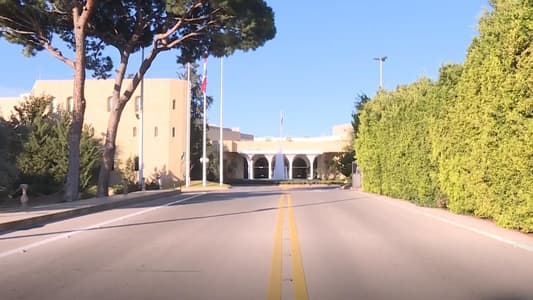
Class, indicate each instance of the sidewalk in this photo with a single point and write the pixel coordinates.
(18, 217)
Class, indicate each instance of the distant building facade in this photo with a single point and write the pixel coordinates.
(245, 156)
(303, 157)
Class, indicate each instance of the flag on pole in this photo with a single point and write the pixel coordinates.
(280, 124)
(204, 77)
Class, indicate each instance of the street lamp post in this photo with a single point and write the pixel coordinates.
(221, 139)
(381, 60)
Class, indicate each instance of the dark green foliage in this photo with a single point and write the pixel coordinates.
(192, 27)
(359, 103)
(217, 27)
(8, 170)
(233, 24)
(197, 103)
(212, 153)
(90, 158)
(343, 162)
(42, 152)
(465, 141)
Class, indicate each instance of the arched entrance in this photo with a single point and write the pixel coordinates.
(261, 168)
(299, 168)
(315, 168)
(245, 168)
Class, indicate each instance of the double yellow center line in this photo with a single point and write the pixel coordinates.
(300, 288)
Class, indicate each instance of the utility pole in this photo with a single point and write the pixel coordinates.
(381, 60)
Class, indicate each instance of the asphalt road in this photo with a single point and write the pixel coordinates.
(268, 243)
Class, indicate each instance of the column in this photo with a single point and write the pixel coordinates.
(311, 158)
(291, 159)
(251, 171)
(250, 160)
(269, 158)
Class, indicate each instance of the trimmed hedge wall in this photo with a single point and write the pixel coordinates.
(393, 146)
(466, 140)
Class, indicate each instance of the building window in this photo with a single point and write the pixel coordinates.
(70, 104)
(109, 104)
(134, 131)
(136, 163)
(53, 105)
(173, 131)
(155, 131)
(173, 103)
(137, 104)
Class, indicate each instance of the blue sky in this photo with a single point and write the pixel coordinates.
(321, 58)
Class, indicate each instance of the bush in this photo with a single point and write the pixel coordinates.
(464, 142)
(393, 145)
(39, 146)
(486, 146)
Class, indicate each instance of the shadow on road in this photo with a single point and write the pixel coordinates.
(210, 198)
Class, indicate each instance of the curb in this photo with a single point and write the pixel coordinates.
(71, 213)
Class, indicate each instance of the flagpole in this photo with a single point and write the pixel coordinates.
(281, 125)
(188, 133)
(221, 142)
(141, 131)
(204, 133)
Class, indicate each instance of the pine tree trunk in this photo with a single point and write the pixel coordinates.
(74, 135)
(114, 117)
(109, 150)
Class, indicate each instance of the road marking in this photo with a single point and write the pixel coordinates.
(274, 288)
(481, 232)
(300, 287)
(484, 233)
(73, 232)
(276, 273)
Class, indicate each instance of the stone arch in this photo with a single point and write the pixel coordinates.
(300, 167)
(235, 166)
(245, 174)
(260, 167)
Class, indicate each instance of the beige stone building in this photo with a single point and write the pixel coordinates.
(164, 124)
(245, 156)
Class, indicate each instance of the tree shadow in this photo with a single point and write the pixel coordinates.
(220, 197)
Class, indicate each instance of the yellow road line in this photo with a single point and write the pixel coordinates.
(300, 287)
(274, 289)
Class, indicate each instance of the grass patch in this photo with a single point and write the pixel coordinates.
(286, 182)
(198, 183)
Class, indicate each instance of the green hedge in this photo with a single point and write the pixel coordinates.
(487, 153)
(393, 147)
(466, 140)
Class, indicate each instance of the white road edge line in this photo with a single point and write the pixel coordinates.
(481, 232)
(73, 232)
(496, 237)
